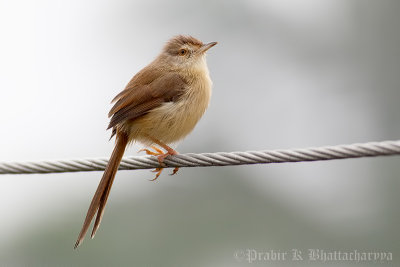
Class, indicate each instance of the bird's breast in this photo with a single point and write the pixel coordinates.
(172, 121)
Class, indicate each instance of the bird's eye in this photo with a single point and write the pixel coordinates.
(183, 52)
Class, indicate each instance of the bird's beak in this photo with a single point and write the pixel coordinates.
(205, 47)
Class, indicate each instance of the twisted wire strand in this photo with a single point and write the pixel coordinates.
(371, 149)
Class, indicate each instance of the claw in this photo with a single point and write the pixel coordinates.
(159, 171)
(156, 170)
(160, 157)
(175, 171)
(157, 149)
(149, 152)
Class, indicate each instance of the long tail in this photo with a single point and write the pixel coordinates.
(103, 190)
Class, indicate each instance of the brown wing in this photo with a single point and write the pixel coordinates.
(132, 90)
(138, 99)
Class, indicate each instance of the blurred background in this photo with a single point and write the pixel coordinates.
(287, 74)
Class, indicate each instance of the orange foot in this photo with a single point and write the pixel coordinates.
(161, 156)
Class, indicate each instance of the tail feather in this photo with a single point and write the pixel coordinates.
(102, 204)
(103, 190)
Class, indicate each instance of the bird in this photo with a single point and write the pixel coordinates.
(160, 105)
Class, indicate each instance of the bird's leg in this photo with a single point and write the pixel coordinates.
(160, 155)
(157, 152)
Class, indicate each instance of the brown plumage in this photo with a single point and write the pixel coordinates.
(160, 105)
(136, 101)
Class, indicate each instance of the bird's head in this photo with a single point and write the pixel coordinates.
(185, 51)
